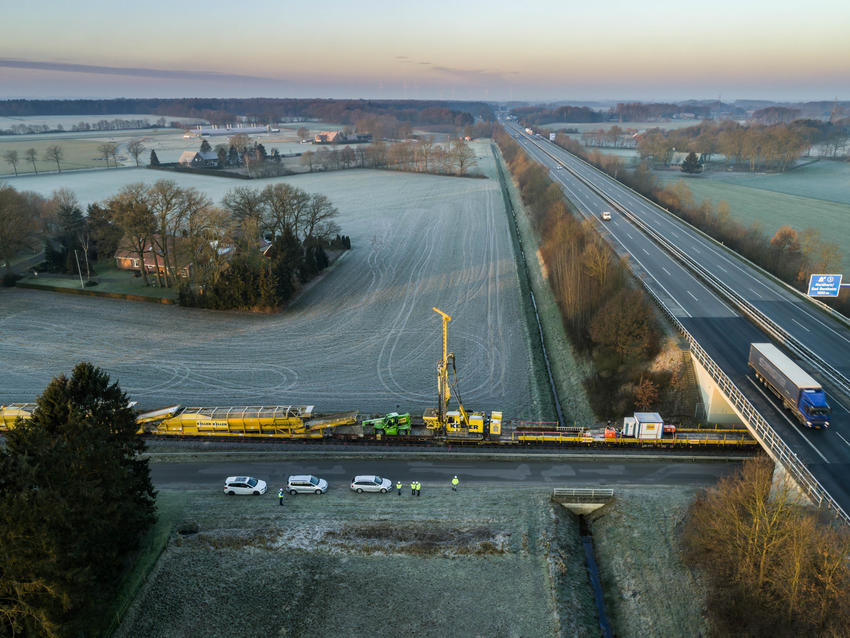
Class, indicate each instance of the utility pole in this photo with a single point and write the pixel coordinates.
(80, 272)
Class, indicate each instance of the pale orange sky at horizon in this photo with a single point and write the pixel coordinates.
(549, 51)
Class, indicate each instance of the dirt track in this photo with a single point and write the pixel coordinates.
(365, 337)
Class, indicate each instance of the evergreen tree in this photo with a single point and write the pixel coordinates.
(74, 500)
(154, 159)
(691, 164)
(205, 147)
(233, 157)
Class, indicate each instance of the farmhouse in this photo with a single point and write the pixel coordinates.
(330, 137)
(127, 258)
(197, 159)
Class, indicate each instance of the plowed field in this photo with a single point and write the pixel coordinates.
(363, 337)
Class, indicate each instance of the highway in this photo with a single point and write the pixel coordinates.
(722, 331)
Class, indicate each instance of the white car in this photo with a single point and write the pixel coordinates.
(306, 484)
(371, 483)
(244, 485)
(606, 216)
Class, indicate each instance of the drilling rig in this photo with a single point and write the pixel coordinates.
(456, 422)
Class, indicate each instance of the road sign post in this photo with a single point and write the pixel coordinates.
(825, 285)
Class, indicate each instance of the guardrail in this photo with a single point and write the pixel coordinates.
(758, 425)
(757, 316)
(583, 495)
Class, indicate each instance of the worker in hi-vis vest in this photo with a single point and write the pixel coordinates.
(398, 487)
(455, 482)
(280, 496)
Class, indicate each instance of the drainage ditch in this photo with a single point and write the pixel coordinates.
(593, 574)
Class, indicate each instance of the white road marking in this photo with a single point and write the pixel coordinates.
(758, 296)
(667, 271)
(790, 422)
(722, 268)
(846, 442)
(692, 295)
(645, 250)
(801, 325)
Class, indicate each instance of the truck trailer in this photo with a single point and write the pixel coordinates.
(798, 391)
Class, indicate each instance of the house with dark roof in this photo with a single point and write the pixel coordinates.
(197, 159)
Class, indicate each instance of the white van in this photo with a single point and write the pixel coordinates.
(306, 484)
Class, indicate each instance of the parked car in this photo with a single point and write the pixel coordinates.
(244, 485)
(371, 483)
(606, 216)
(306, 484)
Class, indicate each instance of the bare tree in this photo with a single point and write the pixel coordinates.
(132, 212)
(31, 155)
(135, 148)
(107, 150)
(11, 158)
(303, 133)
(318, 218)
(18, 222)
(307, 159)
(54, 153)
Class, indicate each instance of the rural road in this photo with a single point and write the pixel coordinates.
(526, 472)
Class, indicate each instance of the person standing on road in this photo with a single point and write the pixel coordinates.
(413, 488)
(398, 487)
(418, 488)
(280, 496)
(455, 482)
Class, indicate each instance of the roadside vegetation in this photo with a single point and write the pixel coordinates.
(75, 500)
(606, 315)
(774, 566)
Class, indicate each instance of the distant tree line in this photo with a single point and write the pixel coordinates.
(756, 147)
(266, 110)
(420, 156)
(115, 124)
(75, 500)
(774, 566)
(607, 316)
(536, 115)
(789, 254)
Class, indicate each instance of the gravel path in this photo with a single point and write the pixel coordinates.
(364, 337)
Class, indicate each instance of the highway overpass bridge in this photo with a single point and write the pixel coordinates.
(721, 303)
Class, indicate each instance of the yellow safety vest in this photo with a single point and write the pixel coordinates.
(455, 481)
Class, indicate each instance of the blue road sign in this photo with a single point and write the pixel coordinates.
(824, 285)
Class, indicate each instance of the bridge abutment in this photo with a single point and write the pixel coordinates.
(717, 407)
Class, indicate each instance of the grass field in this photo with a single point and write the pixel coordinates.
(109, 278)
(760, 199)
(438, 565)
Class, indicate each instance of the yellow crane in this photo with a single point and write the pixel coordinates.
(454, 421)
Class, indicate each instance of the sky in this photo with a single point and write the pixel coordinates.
(466, 50)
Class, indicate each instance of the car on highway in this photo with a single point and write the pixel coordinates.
(306, 484)
(244, 485)
(371, 483)
(606, 216)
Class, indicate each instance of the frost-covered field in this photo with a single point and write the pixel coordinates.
(364, 337)
(474, 563)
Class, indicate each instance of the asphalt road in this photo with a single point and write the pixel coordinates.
(720, 329)
(477, 473)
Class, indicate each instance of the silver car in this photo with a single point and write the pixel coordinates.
(306, 484)
(244, 485)
(371, 483)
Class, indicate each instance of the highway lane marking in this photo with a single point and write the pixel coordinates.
(758, 296)
(846, 442)
(645, 250)
(794, 426)
(692, 295)
(722, 268)
(801, 325)
(667, 271)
